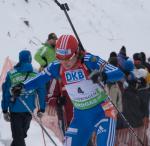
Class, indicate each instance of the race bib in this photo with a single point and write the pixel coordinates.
(74, 76)
(85, 94)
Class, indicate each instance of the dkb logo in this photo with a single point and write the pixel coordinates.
(74, 76)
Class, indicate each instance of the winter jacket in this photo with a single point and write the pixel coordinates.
(144, 95)
(20, 72)
(45, 55)
(114, 92)
(121, 60)
(132, 107)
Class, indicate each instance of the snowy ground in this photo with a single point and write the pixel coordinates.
(35, 136)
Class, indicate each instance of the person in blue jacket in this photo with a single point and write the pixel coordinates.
(80, 73)
(13, 110)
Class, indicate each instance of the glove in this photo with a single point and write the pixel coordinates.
(40, 113)
(6, 116)
(16, 90)
(141, 82)
(62, 100)
(125, 84)
(97, 76)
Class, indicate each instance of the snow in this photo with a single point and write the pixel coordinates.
(102, 25)
(35, 136)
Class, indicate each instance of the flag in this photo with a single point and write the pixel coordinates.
(8, 65)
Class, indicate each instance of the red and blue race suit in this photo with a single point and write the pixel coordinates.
(92, 109)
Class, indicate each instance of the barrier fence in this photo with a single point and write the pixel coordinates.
(125, 138)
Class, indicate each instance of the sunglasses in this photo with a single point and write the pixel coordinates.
(68, 59)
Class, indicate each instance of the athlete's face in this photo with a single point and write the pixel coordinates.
(69, 63)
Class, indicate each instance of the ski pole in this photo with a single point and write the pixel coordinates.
(65, 8)
(37, 120)
(62, 119)
(38, 105)
(43, 134)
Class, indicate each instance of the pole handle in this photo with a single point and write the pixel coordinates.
(65, 8)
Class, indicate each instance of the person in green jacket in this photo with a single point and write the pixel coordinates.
(46, 54)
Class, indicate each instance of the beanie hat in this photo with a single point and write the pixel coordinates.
(137, 56)
(52, 36)
(25, 56)
(113, 54)
(123, 50)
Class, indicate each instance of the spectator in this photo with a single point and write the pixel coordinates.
(143, 61)
(146, 65)
(138, 60)
(122, 57)
(113, 59)
(112, 87)
(127, 67)
(18, 115)
(124, 62)
(132, 106)
(46, 54)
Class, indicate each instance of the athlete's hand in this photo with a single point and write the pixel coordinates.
(6, 116)
(97, 76)
(40, 113)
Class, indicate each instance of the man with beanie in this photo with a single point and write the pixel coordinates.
(13, 110)
(113, 59)
(138, 60)
(46, 54)
(123, 51)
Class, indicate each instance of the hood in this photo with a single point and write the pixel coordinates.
(25, 56)
(24, 67)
